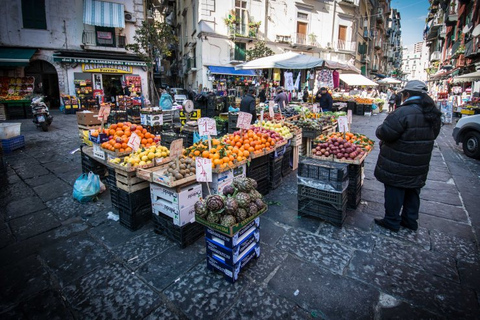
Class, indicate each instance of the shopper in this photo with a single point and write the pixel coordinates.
(407, 137)
(324, 99)
(398, 99)
(305, 94)
(262, 95)
(166, 101)
(281, 99)
(248, 104)
(391, 102)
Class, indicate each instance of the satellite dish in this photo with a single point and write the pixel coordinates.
(188, 106)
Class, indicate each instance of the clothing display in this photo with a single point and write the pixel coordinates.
(288, 81)
(325, 78)
(336, 79)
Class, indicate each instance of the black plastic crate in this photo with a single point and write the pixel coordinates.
(286, 170)
(322, 170)
(276, 163)
(114, 197)
(276, 182)
(367, 108)
(309, 133)
(135, 220)
(264, 186)
(259, 173)
(333, 214)
(260, 161)
(183, 236)
(351, 105)
(354, 197)
(359, 110)
(355, 169)
(329, 197)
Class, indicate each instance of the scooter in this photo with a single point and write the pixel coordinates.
(41, 114)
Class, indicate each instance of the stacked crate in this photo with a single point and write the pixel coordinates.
(259, 170)
(232, 122)
(322, 190)
(90, 164)
(287, 161)
(275, 163)
(355, 173)
(134, 208)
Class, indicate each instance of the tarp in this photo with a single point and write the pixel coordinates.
(474, 76)
(356, 80)
(15, 57)
(104, 14)
(389, 81)
(231, 71)
(288, 60)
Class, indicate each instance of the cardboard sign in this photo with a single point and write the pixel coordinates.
(104, 112)
(98, 152)
(134, 142)
(207, 127)
(203, 171)
(315, 108)
(349, 116)
(176, 148)
(342, 124)
(244, 120)
(271, 112)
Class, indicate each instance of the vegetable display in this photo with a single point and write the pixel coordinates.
(339, 148)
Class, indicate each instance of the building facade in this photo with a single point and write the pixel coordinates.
(415, 62)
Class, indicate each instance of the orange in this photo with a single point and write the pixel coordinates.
(117, 145)
(246, 153)
(205, 154)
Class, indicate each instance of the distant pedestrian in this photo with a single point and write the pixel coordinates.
(398, 99)
(281, 99)
(262, 95)
(324, 99)
(407, 137)
(305, 95)
(391, 102)
(248, 104)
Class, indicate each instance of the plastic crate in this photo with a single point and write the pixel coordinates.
(333, 214)
(279, 152)
(275, 183)
(257, 162)
(367, 108)
(354, 196)
(9, 145)
(264, 186)
(336, 198)
(135, 208)
(9, 130)
(312, 134)
(258, 173)
(135, 220)
(359, 110)
(322, 170)
(183, 236)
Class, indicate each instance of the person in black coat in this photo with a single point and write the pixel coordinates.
(248, 104)
(324, 99)
(398, 99)
(262, 95)
(407, 136)
(305, 95)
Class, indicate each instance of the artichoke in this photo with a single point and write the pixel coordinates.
(215, 203)
(242, 214)
(228, 221)
(201, 208)
(231, 206)
(243, 199)
(213, 217)
(228, 190)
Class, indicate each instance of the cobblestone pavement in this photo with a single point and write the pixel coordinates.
(61, 260)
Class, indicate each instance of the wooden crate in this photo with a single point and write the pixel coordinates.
(129, 182)
(296, 157)
(297, 140)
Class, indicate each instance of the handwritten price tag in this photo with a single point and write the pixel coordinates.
(176, 148)
(204, 169)
(207, 127)
(104, 112)
(134, 142)
(315, 108)
(271, 112)
(244, 120)
(342, 124)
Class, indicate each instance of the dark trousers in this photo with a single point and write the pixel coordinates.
(395, 199)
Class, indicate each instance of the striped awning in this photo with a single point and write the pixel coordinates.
(103, 14)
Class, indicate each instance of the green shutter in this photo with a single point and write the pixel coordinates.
(240, 51)
(363, 69)
(33, 14)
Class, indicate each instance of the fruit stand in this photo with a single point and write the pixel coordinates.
(14, 93)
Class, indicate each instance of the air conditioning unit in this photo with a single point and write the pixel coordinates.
(129, 17)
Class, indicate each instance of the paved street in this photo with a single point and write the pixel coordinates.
(63, 260)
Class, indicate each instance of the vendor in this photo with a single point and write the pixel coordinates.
(305, 94)
(281, 99)
(324, 99)
(248, 104)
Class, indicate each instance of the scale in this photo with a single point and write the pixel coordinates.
(188, 107)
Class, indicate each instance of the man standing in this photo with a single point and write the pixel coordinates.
(262, 95)
(248, 104)
(305, 94)
(281, 99)
(407, 136)
(324, 99)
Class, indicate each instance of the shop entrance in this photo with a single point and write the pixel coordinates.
(112, 86)
(46, 81)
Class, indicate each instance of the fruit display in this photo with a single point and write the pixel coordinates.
(239, 201)
(338, 148)
(277, 116)
(181, 169)
(222, 154)
(342, 97)
(256, 140)
(278, 127)
(360, 100)
(143, 157)
(119, 134)
(314, 124)
(359, 140)
(293, 128)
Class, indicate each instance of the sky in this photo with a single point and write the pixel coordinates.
(413, 14)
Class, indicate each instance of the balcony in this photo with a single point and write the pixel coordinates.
(283, 38)
(374, 68)
(452, 14)
(442, 32)
(244, 32)
(379, 15)
(435, 56)
(353, 3)
(90, 41)
(342, 45)
(378, 45)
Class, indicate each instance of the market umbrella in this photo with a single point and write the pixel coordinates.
(288, 60)
(356, 80)
(389, 81)
(474, 76)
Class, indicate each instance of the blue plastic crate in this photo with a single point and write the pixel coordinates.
(14, 143)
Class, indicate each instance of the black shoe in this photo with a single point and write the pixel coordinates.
(405, 225)
(382, 224)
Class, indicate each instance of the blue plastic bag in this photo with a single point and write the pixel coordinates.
(86, 187)
(197, 137)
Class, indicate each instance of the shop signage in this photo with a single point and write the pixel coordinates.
(99, 61)
(342, 124)
(204, 169)
(176, 148)
(105, 68)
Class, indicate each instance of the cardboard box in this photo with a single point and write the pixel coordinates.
(231, 272)
(235, 240)
(183, 199)
(240, 171)
(88, 118)
(232, 256)
(180, 217)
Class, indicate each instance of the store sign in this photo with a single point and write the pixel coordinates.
(99, 61)
(105, 68)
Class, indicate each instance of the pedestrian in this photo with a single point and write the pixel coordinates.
(324, 99)
(398, 100)
(248, 104)
(407, 137)
(281, 99)
(305, 94)
(391, 102)
(166, 101)
(262, 95)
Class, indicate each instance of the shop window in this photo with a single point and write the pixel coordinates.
(105, 36)
(240, 51)
(33, 14)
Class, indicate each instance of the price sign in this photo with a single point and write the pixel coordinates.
(134, 142)
(98, 152)
(262, 112)
(244, 120)
(207, 127)
(315, 108)
(349, 116)
(104, 112)
(271, 112)
(203, 171)
(342, 124)
(176, 148)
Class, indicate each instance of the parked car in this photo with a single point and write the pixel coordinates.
(467, 132)
(179, 95)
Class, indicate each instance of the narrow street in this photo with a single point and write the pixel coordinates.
(60, 259)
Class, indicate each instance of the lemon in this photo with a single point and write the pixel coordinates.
(150, 156)
(163, 154)
(144, 158)
(149, 161)
(142, 163)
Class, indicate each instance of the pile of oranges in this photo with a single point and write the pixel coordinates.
(120, 133)
(221, 154)
(251, 141)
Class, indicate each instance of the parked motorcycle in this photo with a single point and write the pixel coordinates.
(41, 114)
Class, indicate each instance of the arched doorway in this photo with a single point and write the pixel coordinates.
(46, 81)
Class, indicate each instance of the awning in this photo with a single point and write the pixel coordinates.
(103, 14)
(288, 60)
(15, 57)
(230, 71)
(389, 81)
(469, 77)
(356, 80)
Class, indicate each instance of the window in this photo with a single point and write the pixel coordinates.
(33, 14)
(240, 51)
(302, 15)
(242, 16)
(105, 36)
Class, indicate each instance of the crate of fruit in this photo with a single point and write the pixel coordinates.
(175, 173)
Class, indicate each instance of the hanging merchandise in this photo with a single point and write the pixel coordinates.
(297, 82)
(276, 74)
(288, 81)
(336, 79)
(325, 78)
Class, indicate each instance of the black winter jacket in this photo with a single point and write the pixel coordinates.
(248, 105)
(406, 146)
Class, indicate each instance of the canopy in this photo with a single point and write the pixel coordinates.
(104, 14)
(15, 57)
(356, 80)
(288, 60)
(474, 76)
(389, 81)
(231, 71)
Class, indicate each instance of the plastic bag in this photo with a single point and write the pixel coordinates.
(86, 187)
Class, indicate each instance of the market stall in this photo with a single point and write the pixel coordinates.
(15, 94)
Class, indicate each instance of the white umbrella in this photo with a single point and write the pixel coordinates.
(389, 81)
